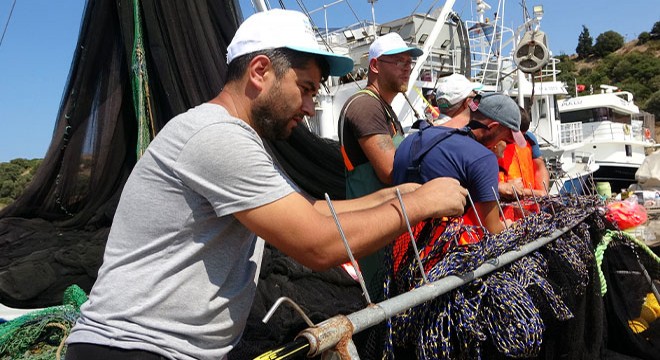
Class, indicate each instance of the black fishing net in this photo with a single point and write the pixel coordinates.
(53, 235)
(633, 280)
(320, 295)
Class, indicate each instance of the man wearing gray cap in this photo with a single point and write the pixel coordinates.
(463, 154)
(182, 259)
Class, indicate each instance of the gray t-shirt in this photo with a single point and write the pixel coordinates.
(179, 271)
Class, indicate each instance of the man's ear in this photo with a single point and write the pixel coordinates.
(258, 67)
(492, 125)
(373, 65)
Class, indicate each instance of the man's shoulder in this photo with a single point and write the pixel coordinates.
(362, 98)
(531, 137)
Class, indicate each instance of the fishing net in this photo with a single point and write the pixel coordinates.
(321, 295)
(41, 334)
(632, 276)
(503, 314)
(137, 64)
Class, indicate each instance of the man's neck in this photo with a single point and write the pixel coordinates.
(388, 96)
(231, 103)
(460, 120)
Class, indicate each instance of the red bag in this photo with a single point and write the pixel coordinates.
(626, 214)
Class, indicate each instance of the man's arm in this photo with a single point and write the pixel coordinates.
(380, 149)
(541, 176)
(365, 202)
(490, 216)
(292, 224)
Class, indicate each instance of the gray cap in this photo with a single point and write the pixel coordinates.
(502, 109)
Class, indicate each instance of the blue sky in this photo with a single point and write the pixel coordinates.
(38, 46)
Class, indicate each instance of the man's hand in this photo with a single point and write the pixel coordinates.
(441, 197)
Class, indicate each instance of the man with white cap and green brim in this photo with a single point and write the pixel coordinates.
(182, 259)
(369, 129)
(452, 95)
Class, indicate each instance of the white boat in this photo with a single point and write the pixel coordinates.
(608, 125)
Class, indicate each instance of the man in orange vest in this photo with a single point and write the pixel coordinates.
(523, 168)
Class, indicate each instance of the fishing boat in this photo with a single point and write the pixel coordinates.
(609, 125)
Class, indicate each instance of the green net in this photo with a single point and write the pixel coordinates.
(40, 334)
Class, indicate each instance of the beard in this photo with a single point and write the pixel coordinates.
(394, 84)
(270, 116)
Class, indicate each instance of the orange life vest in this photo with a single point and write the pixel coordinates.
(517, 163)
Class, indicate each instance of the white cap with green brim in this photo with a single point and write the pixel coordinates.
(391, 44)
(280, 28)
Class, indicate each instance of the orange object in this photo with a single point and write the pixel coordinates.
(626, 214)
(517, 163)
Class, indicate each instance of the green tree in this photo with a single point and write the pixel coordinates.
(655, 31)
(643, 38)
(585, 44)
(607, 43)
(652, 105)
(14, 177)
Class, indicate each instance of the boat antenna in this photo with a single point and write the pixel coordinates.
(373, 14)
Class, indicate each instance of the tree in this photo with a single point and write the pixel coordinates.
(643, 38)
(607, 43)
(585, 44)
(652, 105)
(655, 31)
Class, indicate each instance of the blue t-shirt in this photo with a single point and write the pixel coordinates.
(536, 150)
(458, 156)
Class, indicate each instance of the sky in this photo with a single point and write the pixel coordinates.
(40, 37)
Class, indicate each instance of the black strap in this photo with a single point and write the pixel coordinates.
(413, 171)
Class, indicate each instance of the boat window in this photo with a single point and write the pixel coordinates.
(543, 109)
(556, 105)
(588, 115)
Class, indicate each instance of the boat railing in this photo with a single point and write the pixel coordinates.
(548, 72)
(488, 42)
(577, 132)
(571, 133)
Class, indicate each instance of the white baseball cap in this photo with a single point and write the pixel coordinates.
(455, 88)
(278, 28)
(391, 44)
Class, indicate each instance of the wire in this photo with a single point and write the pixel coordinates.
(7, 23)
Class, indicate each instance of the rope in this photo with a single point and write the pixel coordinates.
(65, 334)
(598, 254)
(140, 81)
(499, 306)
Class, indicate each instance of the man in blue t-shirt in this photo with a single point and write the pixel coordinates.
(463, 154)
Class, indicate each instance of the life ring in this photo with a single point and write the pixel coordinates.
(647, 134)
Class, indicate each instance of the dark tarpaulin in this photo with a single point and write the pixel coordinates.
(53, 235)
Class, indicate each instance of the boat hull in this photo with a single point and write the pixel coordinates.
(619, 177)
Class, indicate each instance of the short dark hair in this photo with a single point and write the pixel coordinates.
(282, 59)
(524, 120)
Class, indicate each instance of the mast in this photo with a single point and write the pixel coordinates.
(260, 5)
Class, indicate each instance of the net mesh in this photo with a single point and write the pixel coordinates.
(40, 334)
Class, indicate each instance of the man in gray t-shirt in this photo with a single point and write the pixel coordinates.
(182, 260)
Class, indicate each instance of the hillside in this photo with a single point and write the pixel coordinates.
(633, 67)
